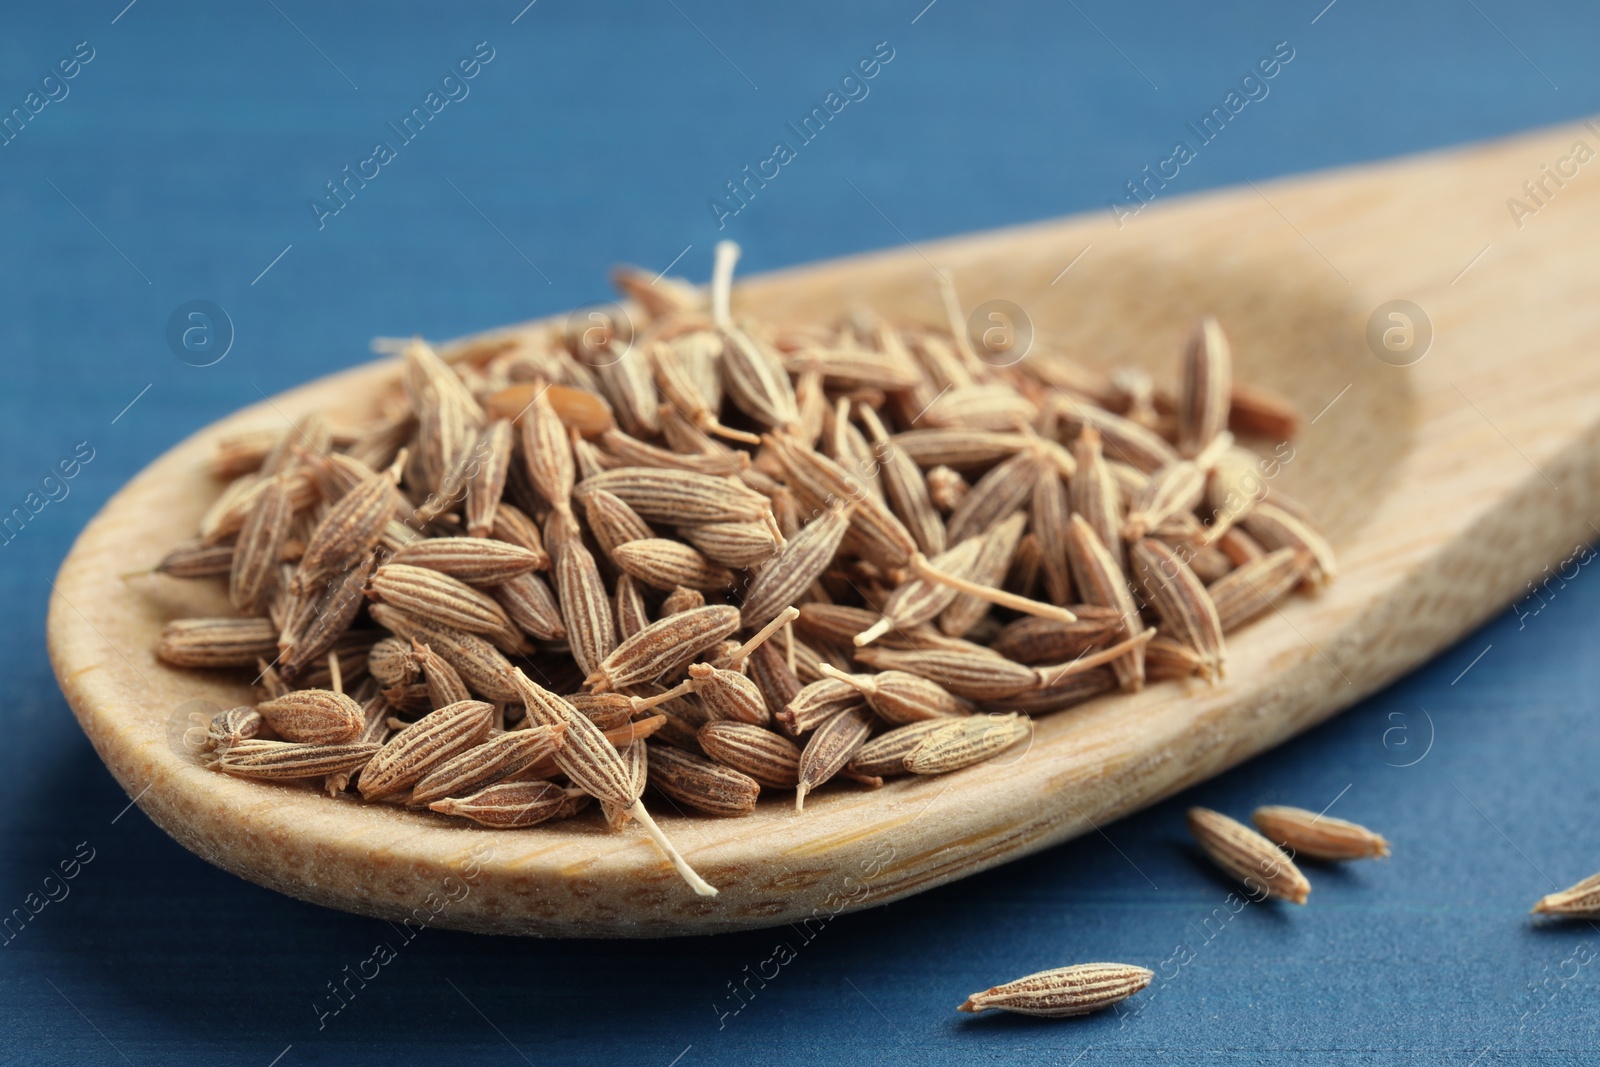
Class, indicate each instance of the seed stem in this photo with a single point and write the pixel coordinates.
(686, 872)
(1049, 676)
(761, 636)
(925, 570)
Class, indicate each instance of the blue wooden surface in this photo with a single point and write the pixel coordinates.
(179, 161)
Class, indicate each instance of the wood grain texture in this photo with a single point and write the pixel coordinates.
(1445, 486)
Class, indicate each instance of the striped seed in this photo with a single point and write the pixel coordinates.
(613, 522)
(817, 702)
(795, 567)
(228, 728)
(256, 758)
(666, 564)
(527, 599)
(438, 598)
(702, 784)
(1581, 901)
(445, 686)
(487, 480)
(509, 805)
(1172, 490)
(217, 642)
(679, 497)
(629, 612)
(977, 674)
(829, 749)
(966, 741)
(197, 560)
(1181, 601)
(728, 695)
(390, 662)
(1246, 855)
(1100, 581)
(350, 530)
(315, 716)
(1275, 527)
(766, 757)
(899, 697)
(1321, 837)
(593, 764)
(424, 746)
(480, 664)
(1207, 386)
(885, 755)
(260, 545)
(499, 757)
(1048, 517)
(664, 646)
(585, 606)
(733, 544)
(998, 494)
(1064, 991)
(473, 560)
(1249, 591)
(996, 552)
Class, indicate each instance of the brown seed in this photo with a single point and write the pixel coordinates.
(976, 674)
(1275, 527)
(585, 607)
(546, 451)
(764, 756)
(479, 663)
(966, 741)
(260, 545)
(1321, 837)
(681, 599)
(680, 497)
(899, 697)
(796, 566)
(1064, 991)
(1207, 387)
(666, 564)
(424, 746)
(664, 646)
(636, 760)
(1031, 640)
(217, 642)
(390, 662)
(486, 482)
(629, 611)
(591, 761)
(1173, 490)
(904, 487)
(702, 784)
(473, 560)
(1100, 581)
(320, 622)
(445, 686)
(514, 528)
(499, 757)
(228, 728)
(1048, 518)
(1123, 439)
(613, 522)
(315, 716)
(197, 560)
(1581, 901)
(1094, 492)
(830, 749)
(1249, 591)
(728, 695)
(996, 552)
(438, 598)
(256, 758)
(919, 600)
(350, 530)
(1246, 855)
(1181, 600)
(885, 755)
(509, 805)
(996, 495)
(733, 544)
(817, 702)
(1260, 412)
(532, 607)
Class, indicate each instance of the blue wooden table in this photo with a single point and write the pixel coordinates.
(164, 153)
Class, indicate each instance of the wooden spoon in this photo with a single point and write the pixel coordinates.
(1446, 485)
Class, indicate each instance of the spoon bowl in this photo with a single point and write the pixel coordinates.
(1446, 475)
